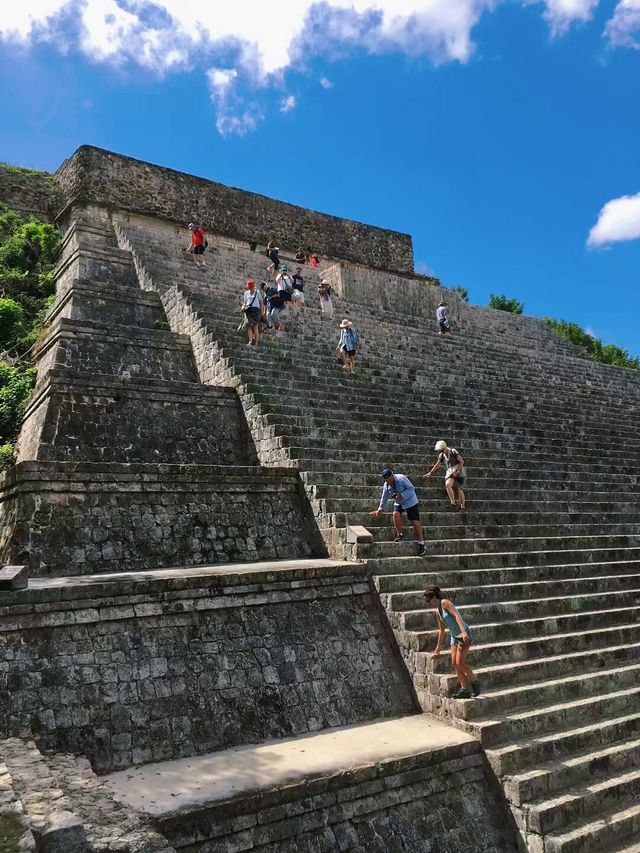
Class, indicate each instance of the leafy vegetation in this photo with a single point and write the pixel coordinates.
(461, 292)
(605, 353)
(10, 833)
(504, 303)
(28, 249)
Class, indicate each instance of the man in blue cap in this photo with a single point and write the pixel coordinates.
(403, 492)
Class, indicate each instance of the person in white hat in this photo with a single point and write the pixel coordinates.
(348, 345)
(455, 475)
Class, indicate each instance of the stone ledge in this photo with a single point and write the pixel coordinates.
(43, 476)
(92, 598)
(281, 771)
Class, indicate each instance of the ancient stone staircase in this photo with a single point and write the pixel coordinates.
(546, 563)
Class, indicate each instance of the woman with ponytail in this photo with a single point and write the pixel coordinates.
(447, 616)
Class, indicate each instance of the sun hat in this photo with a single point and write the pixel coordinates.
(345, 324)
(283, 267)
(250, 281)
(440, 445)
(442, 305)
(386, 473)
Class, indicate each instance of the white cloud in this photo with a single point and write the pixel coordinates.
(287, 104)
(326, 83)
(562, 13)
(258, 41)
(23, 20)
(623, 30)
(619, 220)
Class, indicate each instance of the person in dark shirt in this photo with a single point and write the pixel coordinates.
(273, 253)
(301, 256)
(297, 294)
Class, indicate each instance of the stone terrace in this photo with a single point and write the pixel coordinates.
(545, 565)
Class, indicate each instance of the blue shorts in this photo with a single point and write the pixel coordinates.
(457, 641)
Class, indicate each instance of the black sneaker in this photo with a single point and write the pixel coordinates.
(399, 538)
(463, 693)
(422, 550)
(475, 688)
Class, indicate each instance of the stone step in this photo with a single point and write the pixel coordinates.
(522, 755)
(494, 634)
(582, 802)
(545, 693)
(573, 636)
(580, 768)
(438, 547)
(570, 577)
(536, 669)
(598, 833)
(476, 533)
(410, 606)
(493, 731)
(499, 560)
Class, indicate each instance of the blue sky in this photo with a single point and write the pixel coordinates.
(500, 138)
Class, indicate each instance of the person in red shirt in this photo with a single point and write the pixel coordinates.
(198, 244)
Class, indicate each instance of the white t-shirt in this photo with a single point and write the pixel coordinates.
(441, 314)
(252, 298)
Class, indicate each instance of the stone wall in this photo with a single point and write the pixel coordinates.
(30, 192)
(93, 175)
(78, 519)
(162, 666)
(438, 802)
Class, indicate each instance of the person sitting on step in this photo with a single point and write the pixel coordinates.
(455, 476)
(405, 499)
(448, 616)
(301, 256)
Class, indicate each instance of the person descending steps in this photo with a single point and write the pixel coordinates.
(405, 499)
(455, 474)
(447, 616)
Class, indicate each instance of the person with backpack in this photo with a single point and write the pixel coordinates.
(455, 474)
(198, 244)
(297, 295)
(348, 345)
(253, 307)
(448, 616)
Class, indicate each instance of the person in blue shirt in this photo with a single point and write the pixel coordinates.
(405, 500)
(348, 345)
(448, 616)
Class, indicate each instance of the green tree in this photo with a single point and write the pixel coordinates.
(595, 349)
(504, 303)
(15, 386)
(461, 292)
(11, 322)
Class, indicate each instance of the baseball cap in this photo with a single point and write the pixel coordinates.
(386, 473)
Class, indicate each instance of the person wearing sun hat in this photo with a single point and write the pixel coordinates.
(405, 500)
(455, 475)
(348, 345)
